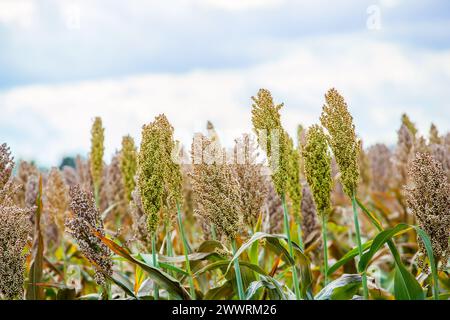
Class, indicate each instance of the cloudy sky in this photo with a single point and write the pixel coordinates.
(64, 62)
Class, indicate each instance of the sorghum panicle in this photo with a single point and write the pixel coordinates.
(82, 225)
(271, 136)
(428, 197)
(159, 176)
(273, 221)
(15, 227)
(409, 124)
(380, 159)
(317, 161)
(342, 138)
(311, 227)
(250, 176)
(97, 151)
(403, 154)
(128, 165)
(115, 191)
(216, 191)
(435, 138)
(56, 198)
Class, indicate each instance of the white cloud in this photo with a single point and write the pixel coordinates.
(19, 13)
(379, 80)
(242, 4)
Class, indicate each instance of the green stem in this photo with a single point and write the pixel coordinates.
(186, 254)
(213, 232)
(325, 247)
(64, 261)
(106, 291)
(360, 249)
(155, 264)
(291, 248)
(169, 246)
(434, 268)
(237, 269)
(299, 232)
(97, 195)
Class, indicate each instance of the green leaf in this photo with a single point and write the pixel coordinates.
(199, 256)
(257, 237)
(225, 263)
(164, 280)
(224, 292)
(273, 243)
(380, 240)
(274, 288)
(253, 254)
(344, 288)
(122, 282)
(349, 256)
(429, 248)
(406, 286)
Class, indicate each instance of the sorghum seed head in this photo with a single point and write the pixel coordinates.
(217, 192)
(97, 151)
(82, 225)
(159, 177)
(317, 161)
(409, 124)
(428, 197)
(139, 218)
(442, 155)
(294, 189)
(403, 154)
(6, 165)
(435, 138)
(311, 227)
(271, 136)
(128, 165)
(15, 227)
(366, 175)
(274, 211)
(56, 197)
(70, 176)
(83, 169)
(115, 191)
(212, 133)
(7, 187)
(31, 191)
(381, 167)
(249, 174)
(25, 171)
(342, 138)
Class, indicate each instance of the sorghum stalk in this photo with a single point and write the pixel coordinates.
(155, 264)
(346, 148)
(325, 247)
(291, 248)
(317, 167)
(159, 177)
(237, 270)
(96, 156)
(294, 188)
(360, 249)
(186, 253)
(274, 141)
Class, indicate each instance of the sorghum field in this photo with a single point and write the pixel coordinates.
(313, 217)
